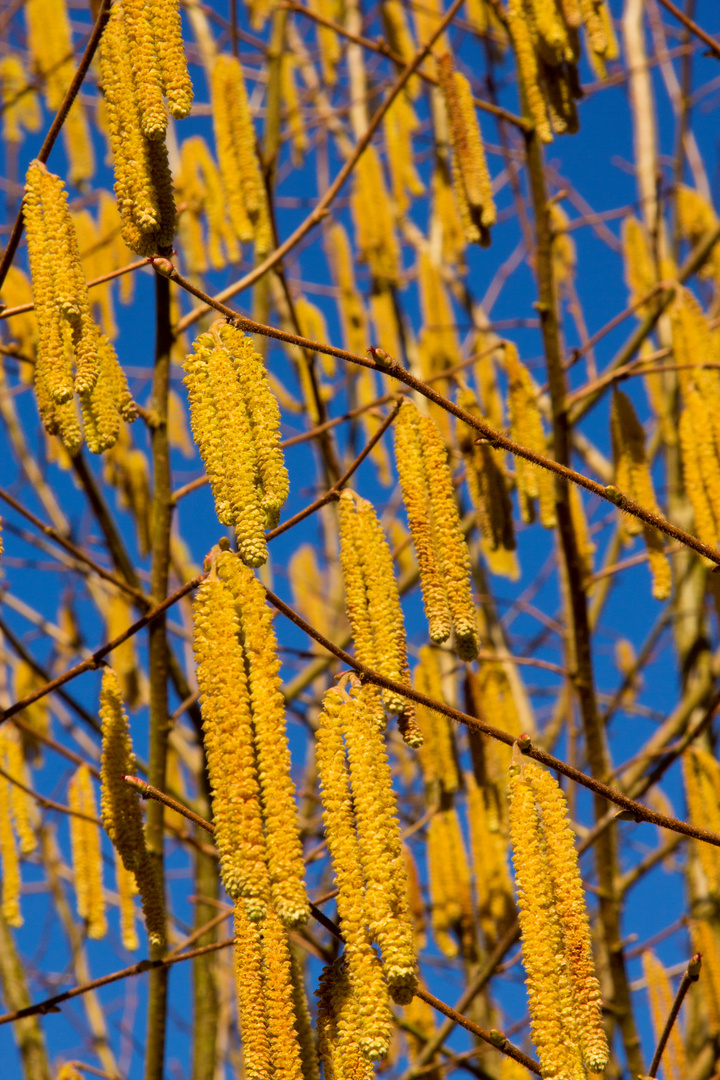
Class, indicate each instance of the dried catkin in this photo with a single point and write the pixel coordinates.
(372, 599)
(533, 482)
(86, 854)
(235, 421)
(563, 991)
(363, 966)
(280, 818)
(440, 546)
(239, 165)
(143, 184)
(68, 333)
(471, 178)
(660, 996)
(120, 807)
(701, 773)
(633, 477)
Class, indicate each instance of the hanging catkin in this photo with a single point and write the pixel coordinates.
(660, 997)
(471, 178)
(21, 108)
(701, 773)
(440, 546)
(236, 424)
(496, 910)
(437, 755)
(633, 477)
(704, 941)
(526, 428)
(375, 236)
(120, 807)
(399, 125)
(200, 188)
(372, 600)
(339, 1027)
(86, 854)
(9, 861)
(563, 991)
(68, 333)
(239, 165)
(363, 966)
(133, 81)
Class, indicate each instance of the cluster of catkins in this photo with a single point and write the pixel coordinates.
(236, 424)
(75, 360)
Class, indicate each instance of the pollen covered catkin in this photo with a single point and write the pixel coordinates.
(533, 482)
(701, 773)
(375, 236)
(235, 422)
(563, 991)
(120, 807)
(339, 1027)
(440, 547)
(471, 178)
(660, 997)
(86, 854)
(363, 966)
(372, 599)
(69, 337)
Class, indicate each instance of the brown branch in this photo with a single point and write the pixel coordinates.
(49, 141)
(691, 976)
(697, 31)
(148, 791)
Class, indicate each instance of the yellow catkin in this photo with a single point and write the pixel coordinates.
(660, 997)
(239, 165)
(294, 118)
(339, 1026)
(440, 546)
(236, 424)
(704, 941)
(526, 428)
(449, 880)
(201, 188)
(67, 330)
(385, 321)
(364, 971)
(563, 250)
(375, 236)
(438, 344)
(487, 484)
(9, 862)
(328, 41)
(563, 991)
(143, 184)
(695, 218)
(251, 997)
(426, 18)
(633, 477)
(259, 647)
(284, 1044)
(120, 806)
(86, 854)
(25, 680)
(127, 890)
(16, 290)
(701, 773)
(529, 74)
(471, 178)
(378, 829)
(25, 819)
(586, 547)
(445, 219)
(496, 909)
(21, 109)
(372, 597)
(640, 267)
(228, 737)
(303, 1020)
(353, 318)
(437, 755)
(701, 470)
(399, 125)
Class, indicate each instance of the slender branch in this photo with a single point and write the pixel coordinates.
(495, 438)
(49, 141)
(691, 976)
(48, 804)
(322, 209)
(149, 791)
(697, 31)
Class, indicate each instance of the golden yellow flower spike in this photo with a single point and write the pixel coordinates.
(353, 318)
(444, 909)
(372, 598)
(375, 236)
(378, 830)
(660, 995)
(21, 109)
(284, 1044)
(364, 971)
(701, 773)
(9, 862)
(170, 52)
(563, 991)
(127, 890)
(531, 88)
(239, 166)
(228, 736)
(471, 179)
(327, 39)
(259, 648)
(399, 125)
(120, 806)
(24, 813)
(640, 268)
(437, 756)
(303, 1020)
(701, 471)
(86, 854)
(704, 941)
(527, 428)
(251, 996)
(496, 909)
(339, 1027)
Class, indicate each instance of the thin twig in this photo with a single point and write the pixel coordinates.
(694, 29)
(691, 976)
(148, 791)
